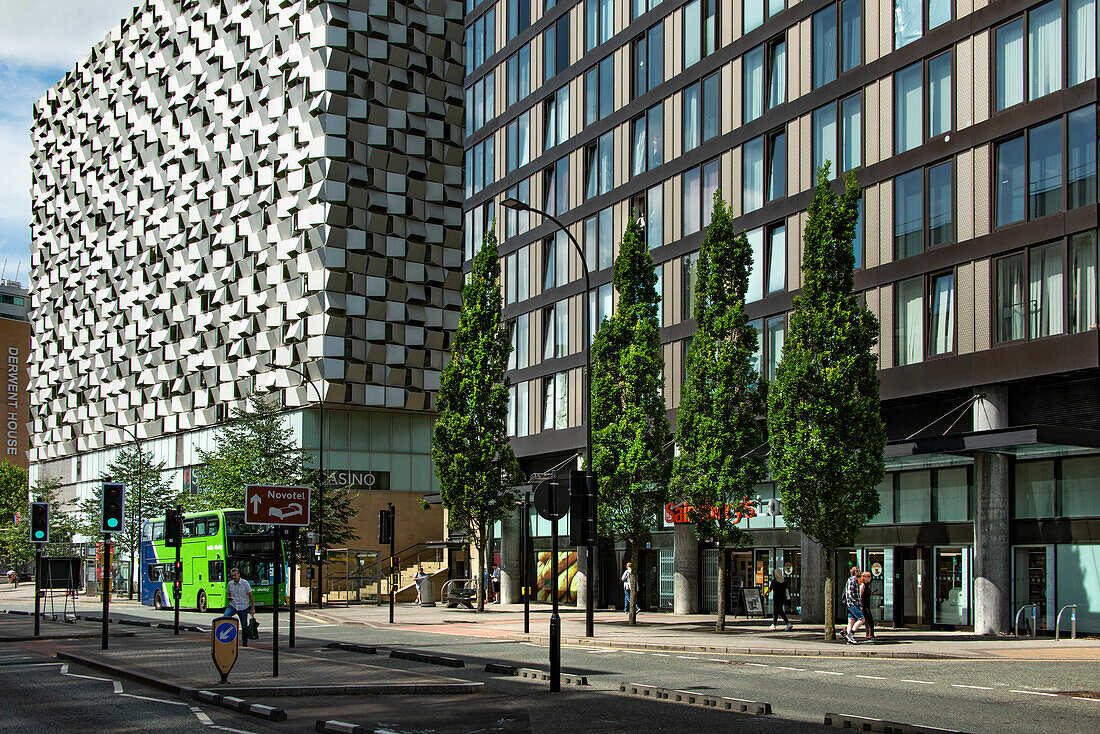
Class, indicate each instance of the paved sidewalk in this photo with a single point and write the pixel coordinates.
(662, 631)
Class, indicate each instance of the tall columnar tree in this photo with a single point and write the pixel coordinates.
(719, 421)
(471, 451)
(629, 421)
(826, 434)
(257, 447)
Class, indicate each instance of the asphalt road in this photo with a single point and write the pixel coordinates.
(965, 695)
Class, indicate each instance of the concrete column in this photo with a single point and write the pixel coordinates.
(582, 577)
(992, 551)
(813, 582)
(685, 565)
(511, 539)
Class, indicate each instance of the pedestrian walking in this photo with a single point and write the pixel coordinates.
(855, 611)
(865, 603)
(13, 578)
(241, 602)
(628, 574)
(417, 578)
(495, 575)
(780, 598)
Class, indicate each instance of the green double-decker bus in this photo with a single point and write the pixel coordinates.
(213, 542)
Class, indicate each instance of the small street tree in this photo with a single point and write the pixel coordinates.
(15, 542)
(629, 420)
(719, 421)
(826, 434)
(472, 455)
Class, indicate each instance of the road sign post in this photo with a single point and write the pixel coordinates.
(225, 640)
(285, 508)
(552, 503)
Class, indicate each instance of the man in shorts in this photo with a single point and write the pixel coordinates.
(855, 610)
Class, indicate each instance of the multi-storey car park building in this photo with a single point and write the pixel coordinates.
(971, 127)
(238, 196)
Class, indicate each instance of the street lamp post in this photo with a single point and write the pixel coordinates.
(320, 488)
(517, 205)
(140, 476)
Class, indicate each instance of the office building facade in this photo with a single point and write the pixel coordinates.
(250, 196)
(971, 128)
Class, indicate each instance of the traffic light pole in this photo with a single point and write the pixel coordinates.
(293, 580)
(37, 585)
(555, 620)
(524, 573)
(275, 611)
(106, 586)
(393, 557)
(177, 583)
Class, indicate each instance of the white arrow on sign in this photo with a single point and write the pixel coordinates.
(256, 501)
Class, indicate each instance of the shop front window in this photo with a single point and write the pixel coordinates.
(880, 563)
(952, 586)
(790, 560)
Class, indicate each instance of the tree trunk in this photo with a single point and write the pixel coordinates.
(830, 616)
(720, 622)
(480, 581)
(632, 608)
(133, 566)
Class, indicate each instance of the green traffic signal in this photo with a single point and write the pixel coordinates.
(39, 534)
(112, 522)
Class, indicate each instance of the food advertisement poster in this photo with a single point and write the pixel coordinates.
(567, 576)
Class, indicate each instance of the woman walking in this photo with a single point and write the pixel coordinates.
(780, 597)
(865, 603)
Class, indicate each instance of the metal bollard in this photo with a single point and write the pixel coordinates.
(1072, 622)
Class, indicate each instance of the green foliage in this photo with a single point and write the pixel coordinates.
(470, 448)
(15, 543)
(629, 420)
(826, 434)
(718, 423)
(13, 491)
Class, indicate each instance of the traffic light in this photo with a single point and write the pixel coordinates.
(40, 522)
(582, 508)
(113, 505)
(385, 527)
(173, 527)
(177, 579)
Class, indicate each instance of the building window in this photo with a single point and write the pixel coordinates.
(480, 166)
(1030, 294)
(700, 30)
(922, 102)
(599, 165)
(654, 217)
(480, 102)
(923, 209)
(519, 74)
(523, 344)
(518, 222)
(555, 44)
(775, 331)
(518, 138)
(777, 71)
(756, 361)
(912, 18)
(555, 186)
(510, 280)
(1082, 29)
(909, 321)
(1029, 173)
(752, 174)
(1081, 157)
(519, 17)
(599, 91)
(1082, 282)
(555, 261)
(829, 56)
(753, 83)
(649, 60)
(481, 40)
(912, 315)
(1032, 69)
(555, 118)
(690, 282)
(548, 333)
(599, 241)
(753, 14)
(777, 258)
(649, 145)
(769, 261)
(702, 113)
(839, 145)
(600, 304)
(941, 317)
(478, 221)
(641, 7)
(599, 22)
(699, 185)
(775, 171)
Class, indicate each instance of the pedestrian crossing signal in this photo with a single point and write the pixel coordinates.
(40, 522)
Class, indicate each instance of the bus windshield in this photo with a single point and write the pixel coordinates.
(235, 525)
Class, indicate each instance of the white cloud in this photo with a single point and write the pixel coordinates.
(56, 33)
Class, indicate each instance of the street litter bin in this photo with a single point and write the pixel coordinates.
(425, 587)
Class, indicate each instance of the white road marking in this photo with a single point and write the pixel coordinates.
(827, 672)
(631, 652)
(925, 682)
(150, 698)
(757, 665)
(1035, 693)
(64, 669)
(87, 677)
(309, 626)
(235, 731)
(29, 665)
(979, 688)
(871, 677)
(661, 655)
(686, 657)
(201, 716)
(1082, 698)
(783, 667)
(118, 686)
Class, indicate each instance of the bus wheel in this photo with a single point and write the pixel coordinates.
(201, 604)
(158, 602)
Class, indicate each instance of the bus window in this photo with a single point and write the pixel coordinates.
(154, 572)
(158, 531)
(200, 527)
(147, 531)
(217, 570)
(212, 525)
(188, 528)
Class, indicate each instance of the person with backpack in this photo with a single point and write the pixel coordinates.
(855, 608)
(780, 599)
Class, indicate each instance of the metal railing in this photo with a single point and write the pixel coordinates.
(1072, 622)
(458, 589)
(1034, 619)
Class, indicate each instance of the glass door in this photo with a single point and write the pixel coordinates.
(762, 571)
(791, 560)
(880, 563)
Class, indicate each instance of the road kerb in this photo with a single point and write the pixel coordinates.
(724, 703)
(864, 723)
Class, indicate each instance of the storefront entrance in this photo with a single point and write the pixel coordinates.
(914, 588)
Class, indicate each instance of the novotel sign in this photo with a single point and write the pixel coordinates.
(268, 505)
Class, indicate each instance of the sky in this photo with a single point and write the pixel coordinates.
(40, 40)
